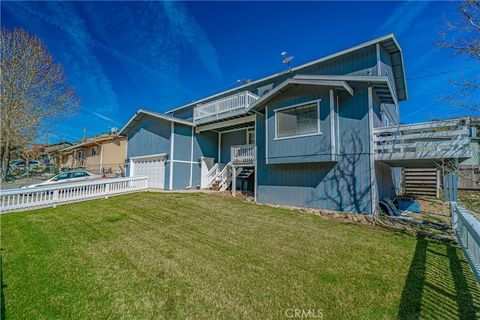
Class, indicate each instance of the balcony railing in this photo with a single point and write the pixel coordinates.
(427, 140)
(221, 107)
(243, 154)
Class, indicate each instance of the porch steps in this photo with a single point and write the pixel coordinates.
(215, 185)
(245, 173)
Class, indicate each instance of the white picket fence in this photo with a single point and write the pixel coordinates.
(467, 230)
(31, 198)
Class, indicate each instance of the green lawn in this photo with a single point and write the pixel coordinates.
(189, 255)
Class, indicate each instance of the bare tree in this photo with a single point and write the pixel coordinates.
(34, 93)
(463, 36)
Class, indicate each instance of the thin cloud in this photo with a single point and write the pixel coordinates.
(151, 58)
(189, 30)
(81, 63)
(402, 19)
(101, 116)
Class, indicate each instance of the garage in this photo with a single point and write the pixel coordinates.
(152, 166)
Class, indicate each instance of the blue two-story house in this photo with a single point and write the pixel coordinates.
(324, 134)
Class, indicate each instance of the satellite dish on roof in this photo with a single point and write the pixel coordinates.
(114, 130)
(287, 59)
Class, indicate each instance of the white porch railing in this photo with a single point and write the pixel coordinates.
(211, 175)
(219, 107)
(225, 176)
(427, 140)
(30, 198)
(467, 230)
(243, 154)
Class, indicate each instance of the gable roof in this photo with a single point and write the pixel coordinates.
(388, 41)
(294, 82)
(133, 120)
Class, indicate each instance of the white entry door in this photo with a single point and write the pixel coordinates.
(152, 167)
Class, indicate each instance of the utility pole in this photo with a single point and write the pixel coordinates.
(84, 134)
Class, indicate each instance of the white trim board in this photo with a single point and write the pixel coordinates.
(172, 149)
(191, 158)
(156, 155)
(373, 177)
(156, 115)
(332, 122)
(182, 161)
(226, 123)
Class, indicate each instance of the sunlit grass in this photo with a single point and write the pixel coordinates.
(167, 255)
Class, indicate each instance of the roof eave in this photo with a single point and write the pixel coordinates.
(331, 56)
(124, 130)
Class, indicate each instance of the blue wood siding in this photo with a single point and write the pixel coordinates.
(301, 149)
(182, 142)
(392, 112)
(196, 176)
(181, 175)
(343, 185)
(378, 116)
(360, 62)
(185, 113)
(387, 66)
(167, 175)
(150, 136)
(230, 139)
(388, 180)
(206, 145)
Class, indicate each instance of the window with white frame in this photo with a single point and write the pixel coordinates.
(299, 120)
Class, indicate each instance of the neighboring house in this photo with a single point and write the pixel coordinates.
(322, 135)
(52, 152)
(103, 154)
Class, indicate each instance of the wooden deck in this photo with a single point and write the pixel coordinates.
(422, 141)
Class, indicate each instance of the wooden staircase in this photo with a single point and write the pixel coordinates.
(245, 173)
(241, 173)
(215, 186)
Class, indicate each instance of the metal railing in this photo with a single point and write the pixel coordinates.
(243, 154)
(467, 229)
(427, 140)
(219, 107)
(31, 198)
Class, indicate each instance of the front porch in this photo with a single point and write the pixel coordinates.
(234, 164)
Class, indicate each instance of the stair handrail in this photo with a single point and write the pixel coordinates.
(225, 176)
(211, 175)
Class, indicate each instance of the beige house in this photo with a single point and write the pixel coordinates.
(104, 154)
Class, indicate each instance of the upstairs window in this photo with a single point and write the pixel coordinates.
(299, 120)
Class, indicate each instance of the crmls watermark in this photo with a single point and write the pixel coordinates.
(298, 313)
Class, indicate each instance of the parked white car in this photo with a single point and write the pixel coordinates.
(65, 177)
(20, 164)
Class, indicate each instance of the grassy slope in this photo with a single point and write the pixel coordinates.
(154, 255)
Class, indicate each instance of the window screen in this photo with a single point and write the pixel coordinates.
(297, 121)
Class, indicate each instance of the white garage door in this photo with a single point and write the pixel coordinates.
(152, 167)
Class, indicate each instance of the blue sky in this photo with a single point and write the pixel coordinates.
(122, 56)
